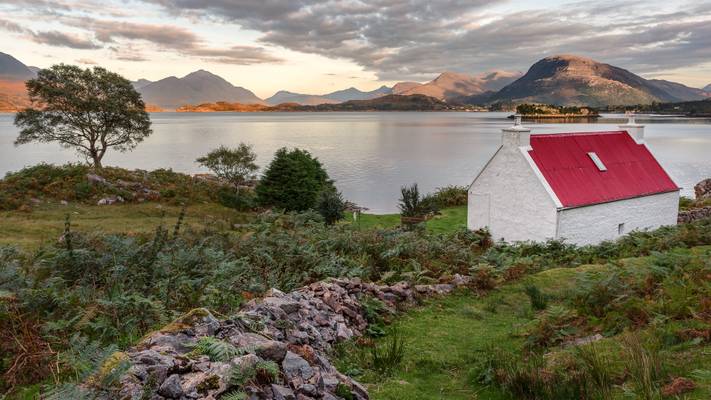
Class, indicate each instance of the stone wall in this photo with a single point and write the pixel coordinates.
(294, 330)
(694, 214)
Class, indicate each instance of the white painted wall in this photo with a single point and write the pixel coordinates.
(593, 224)
(509, 199)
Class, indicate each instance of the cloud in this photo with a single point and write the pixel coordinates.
(62, 39)
(399, 39)
(86, 61)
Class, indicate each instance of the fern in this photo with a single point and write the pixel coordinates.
(239, 395)
(216, 349)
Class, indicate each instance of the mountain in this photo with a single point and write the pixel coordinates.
(356, 94)
(390, 102)
(403, 87)
(195, 88)
(12, 69)
(141, 83)
(339, 96)
(452, 85)
(284, 96)
(575, 80)
(707, 88)
(678, 91)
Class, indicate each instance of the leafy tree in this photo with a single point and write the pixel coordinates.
(88, 110)
(234, 165)
(331, 206)
(293, 181)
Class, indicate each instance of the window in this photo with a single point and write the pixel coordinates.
(621, 228)
(597, 161)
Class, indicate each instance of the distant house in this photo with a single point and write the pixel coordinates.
(582, 187)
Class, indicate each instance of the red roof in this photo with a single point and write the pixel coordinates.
(632, 171)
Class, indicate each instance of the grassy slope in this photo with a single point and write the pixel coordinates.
(451, 219)
(30, 229)
(447, 337)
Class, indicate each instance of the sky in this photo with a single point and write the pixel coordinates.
(318, 46)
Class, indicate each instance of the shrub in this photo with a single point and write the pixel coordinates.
(241, 199)
(331, 206)
(292, 181)
(451, 196)
(233, 165)
(539, 301)
(410, 203)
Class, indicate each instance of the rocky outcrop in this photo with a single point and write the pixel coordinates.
(291, 331)
(702, 190)
(694, 214)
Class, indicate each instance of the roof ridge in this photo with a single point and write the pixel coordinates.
(563, 134)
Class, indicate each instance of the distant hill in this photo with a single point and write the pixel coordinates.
(415, 102)
(450, 86)
(403, 87)
(678, 91)
(356, 94)
(575, 80)
(11, 69)
(195, 88)
(698, 108)
(339, 96)
(141, 83)
(284, 96)
(707, 88)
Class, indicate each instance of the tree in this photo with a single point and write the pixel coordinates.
(331, 206)
(293, 181)
(88, 110)
(234, 165)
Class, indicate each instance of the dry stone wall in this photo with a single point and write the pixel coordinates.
(293, 330)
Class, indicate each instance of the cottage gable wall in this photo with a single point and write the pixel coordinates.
(509, 198)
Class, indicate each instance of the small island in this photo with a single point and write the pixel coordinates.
(533, 112)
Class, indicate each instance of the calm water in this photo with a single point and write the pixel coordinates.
(370, 155)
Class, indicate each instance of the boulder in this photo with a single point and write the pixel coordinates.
(702, 190)
(171, 388)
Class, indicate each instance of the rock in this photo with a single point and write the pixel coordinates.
(343, 333)
(702, 190)
(171, 388)
(282, 393)
(296, 367)
(95, 179)
(272, 350)
(287, 306)
(110, 200)
(586, 340)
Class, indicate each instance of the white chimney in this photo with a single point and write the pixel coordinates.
(516, 135)
(633, 128)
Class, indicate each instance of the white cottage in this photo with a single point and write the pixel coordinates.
(583, 187)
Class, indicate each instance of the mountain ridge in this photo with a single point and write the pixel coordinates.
(568, 79)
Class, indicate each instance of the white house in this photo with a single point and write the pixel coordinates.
(583, 187)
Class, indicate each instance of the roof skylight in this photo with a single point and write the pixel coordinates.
(598, 163)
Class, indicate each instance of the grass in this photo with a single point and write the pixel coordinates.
(30, 229)
(449, 220)
(448, 339)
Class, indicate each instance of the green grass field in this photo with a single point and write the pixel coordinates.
(447, 340)
(450, 219)
(30, 229)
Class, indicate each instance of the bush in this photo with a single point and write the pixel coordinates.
(233, 165)
(539, 301)
(410, 203)
(241, 199)
(451, 196)
(293, 181)
(331, 206)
